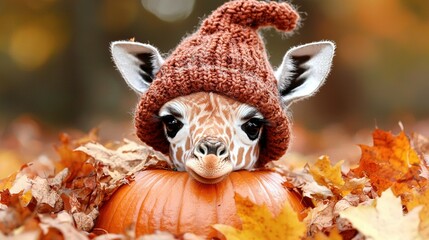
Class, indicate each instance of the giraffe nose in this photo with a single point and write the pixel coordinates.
(215, 147)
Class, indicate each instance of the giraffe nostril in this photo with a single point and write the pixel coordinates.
(202, 149)
(206, 147)
(222, 152)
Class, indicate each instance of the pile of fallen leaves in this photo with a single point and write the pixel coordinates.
(386, 196)
(52, 199)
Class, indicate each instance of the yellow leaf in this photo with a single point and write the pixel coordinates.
(327, 175)
(385, 220)
(7, 183)
(330, 176)
(25, 198)
(259, 223)
(418, 200)
(333, 235)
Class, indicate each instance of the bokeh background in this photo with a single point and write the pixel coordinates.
(56, 73)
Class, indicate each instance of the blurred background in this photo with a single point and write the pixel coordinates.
(56, 73)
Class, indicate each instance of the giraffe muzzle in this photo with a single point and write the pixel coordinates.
(210, 163)
(206, 147)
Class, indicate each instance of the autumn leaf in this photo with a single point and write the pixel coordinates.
(259, 223)
(126, 160)
(321, 217)
(388, 161)
(385, 220)
(333, 235)
(64, 225)
(421, 200)
(7, 183)
(73, 160)
(325, 174)
(331, 176)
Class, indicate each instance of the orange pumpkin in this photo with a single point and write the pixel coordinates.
(174, 202)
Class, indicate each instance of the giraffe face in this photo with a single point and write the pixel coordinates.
(211, 135)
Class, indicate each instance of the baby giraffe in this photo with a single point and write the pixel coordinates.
(221, 106)
(211, 135)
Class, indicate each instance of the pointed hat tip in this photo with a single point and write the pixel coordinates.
(253, 14)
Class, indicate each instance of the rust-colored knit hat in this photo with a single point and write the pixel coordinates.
(227, 56)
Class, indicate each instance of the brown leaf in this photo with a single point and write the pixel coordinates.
(85, 222)
(320, 217)
(62, 223)
(48, 199)
(124, 161)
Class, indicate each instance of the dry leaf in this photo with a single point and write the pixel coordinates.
(417, 201)
(389, 160)
(334, 234)
(331, 177)
(320, 217)
(385, 220)
(259, 223)
(327, 175)
(63, 223)
(124, 161)
(303, 180)
(7, 183)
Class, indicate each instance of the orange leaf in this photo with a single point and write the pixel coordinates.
(388, 161)
(71, 159)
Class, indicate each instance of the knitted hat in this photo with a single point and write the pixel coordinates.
(226, 56)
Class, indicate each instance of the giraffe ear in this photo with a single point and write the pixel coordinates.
(304, 70)
(137, 62)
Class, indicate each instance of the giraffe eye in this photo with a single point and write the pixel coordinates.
(252, 127)
(172, 125)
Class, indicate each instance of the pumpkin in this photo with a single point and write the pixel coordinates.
(174, 202)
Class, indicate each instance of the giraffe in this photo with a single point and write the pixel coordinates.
(211, 135)
(215, 104)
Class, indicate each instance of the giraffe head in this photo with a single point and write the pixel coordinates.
(211, 135)
(215, 104)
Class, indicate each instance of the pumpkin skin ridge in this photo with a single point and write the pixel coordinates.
(271, 179)
(132, 187)
(206, 192)
(272, 202)
(147, 175)
(116, 209)
(222, 204)
(155, 216)
(169, 201)
(135, 197)
(239, 179)
(179, 228)
(292, 199)
(185, 182)
(256, 191)
(125, 204)
(144, 227)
